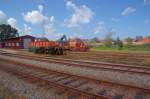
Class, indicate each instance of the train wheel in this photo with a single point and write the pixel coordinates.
(57, 51)
(46, 51)
(36, 50)
(61, 51)
(53, 52)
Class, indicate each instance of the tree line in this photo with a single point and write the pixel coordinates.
(109, 41)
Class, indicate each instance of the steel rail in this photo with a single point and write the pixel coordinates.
(95, 65)
(90, 79)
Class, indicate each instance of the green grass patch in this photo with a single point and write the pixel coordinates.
(144, 48)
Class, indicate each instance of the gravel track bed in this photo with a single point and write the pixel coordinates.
(100, 74)
(25, 89)
(5, 93)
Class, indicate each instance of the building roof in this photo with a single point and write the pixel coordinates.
(21, 37)
(27, 36)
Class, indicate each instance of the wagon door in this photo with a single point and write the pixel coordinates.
(26, 43)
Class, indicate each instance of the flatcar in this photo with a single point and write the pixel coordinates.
(47, 47)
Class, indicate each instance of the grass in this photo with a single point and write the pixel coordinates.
(126, 48)
(104, 54)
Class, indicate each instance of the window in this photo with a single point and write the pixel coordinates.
(13, 44)
(9, 44)
(5, 44)
(17, 44)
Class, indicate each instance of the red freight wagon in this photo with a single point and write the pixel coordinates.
(44, 44)
(47, 47)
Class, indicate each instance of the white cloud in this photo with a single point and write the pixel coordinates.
(70, 4)
(3, 17)
(146, 1)
(41, 8)
(12, 22)
(128, 11)
(50, 32)
(100, 28)
(34, 17)
(48, 29)
(27, 29)
(37, 17)
(51, 18)
(81, 15)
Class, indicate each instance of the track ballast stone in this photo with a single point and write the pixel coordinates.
(100, 74)
(25, 89)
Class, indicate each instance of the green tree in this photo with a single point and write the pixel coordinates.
(129, 41)
(119, 43)
(108, 40)
(94, 40)
(139, 38)
(6, 32)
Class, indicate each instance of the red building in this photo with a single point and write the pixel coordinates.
(146, 40)
(21, 42)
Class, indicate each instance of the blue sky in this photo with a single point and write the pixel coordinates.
(77, 18)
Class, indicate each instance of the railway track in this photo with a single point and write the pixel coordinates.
(116, 57)
(114, 54)
(89, 64)
(76, 87)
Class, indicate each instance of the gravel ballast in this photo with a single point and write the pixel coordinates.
(25, 89)
(100, 74)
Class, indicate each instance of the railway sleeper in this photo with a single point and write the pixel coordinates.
(80, 84)
(62, 78)
(36, 80)
(69, 81)
(115, 96)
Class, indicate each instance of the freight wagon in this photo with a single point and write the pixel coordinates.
(47, 47)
